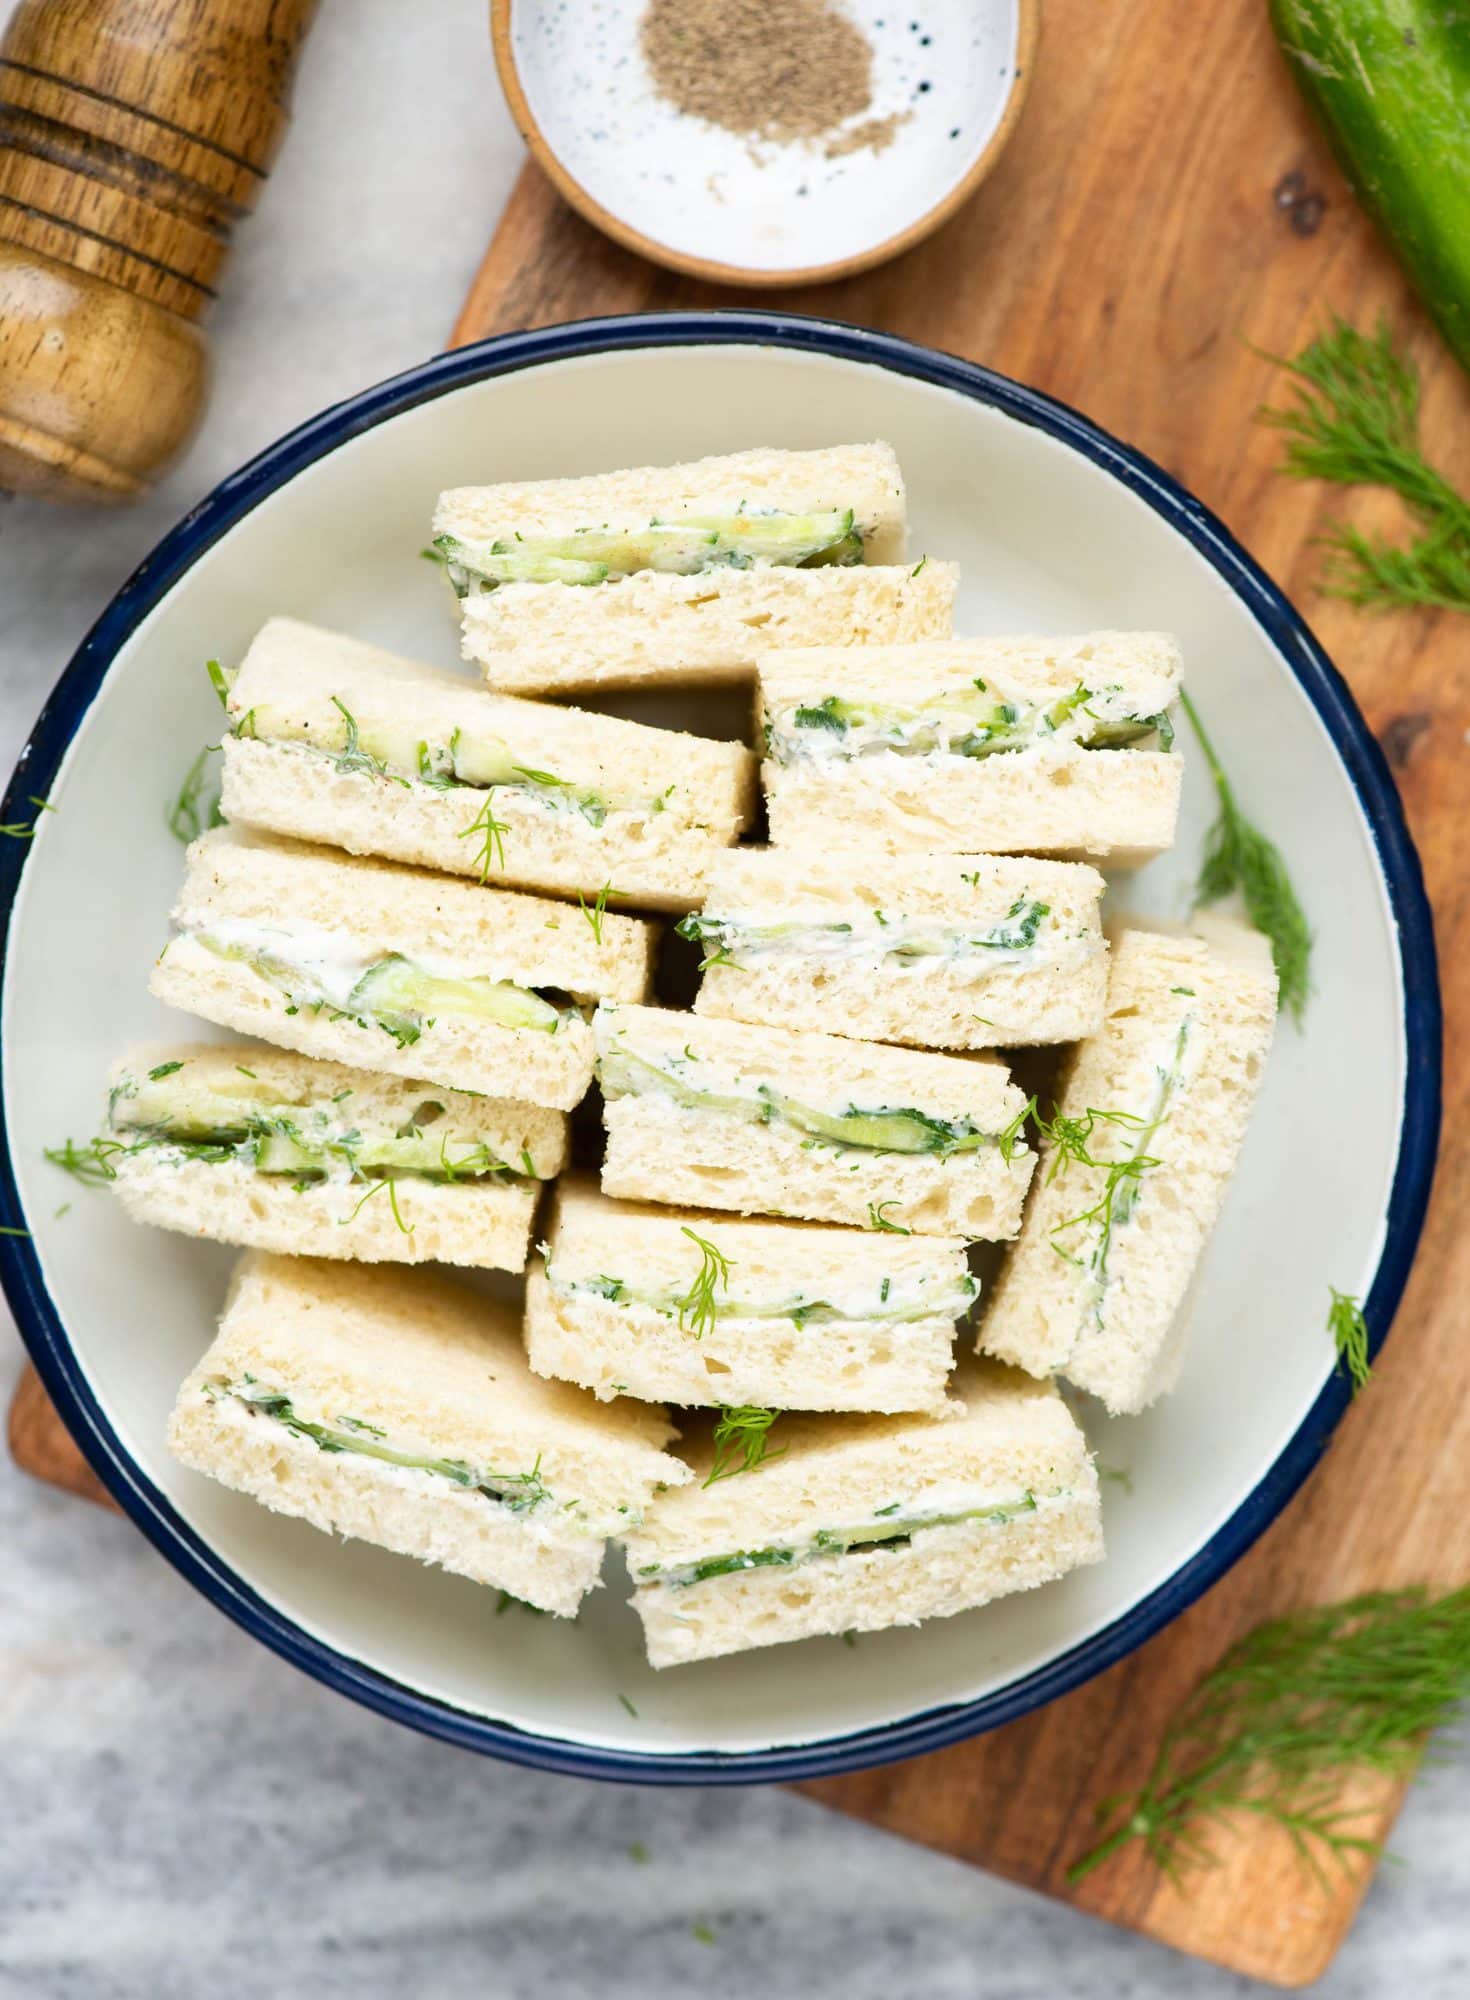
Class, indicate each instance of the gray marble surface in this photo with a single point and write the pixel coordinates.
(183, 1813)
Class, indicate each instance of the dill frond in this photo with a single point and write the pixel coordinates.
(492, 832)
(1355, 421)
(697, 1308)
(192, 811)
(1239, 856)
(742, 1432)
(595, 912)
(878, 1220)
(1349, 1330)
(1288, 1713)
(91, 1164)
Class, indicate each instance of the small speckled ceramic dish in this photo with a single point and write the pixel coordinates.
(948, 81)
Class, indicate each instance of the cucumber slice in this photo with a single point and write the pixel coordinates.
(396, 990)
(683, 548)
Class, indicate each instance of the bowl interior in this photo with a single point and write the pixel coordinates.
(1049, 541)
(942, 76)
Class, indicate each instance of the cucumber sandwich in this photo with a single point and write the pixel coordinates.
(679, 573)
(1149, 1129)
(255, 1146)
(941, 951)
(855, 1524)
(676, 1305)
(1025, 746)
(332, 740)
(398, 1409)
(722, 1114)
(390, 968)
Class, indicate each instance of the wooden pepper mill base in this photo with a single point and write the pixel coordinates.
(133, 135)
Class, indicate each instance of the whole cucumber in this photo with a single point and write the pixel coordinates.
(1390, 81)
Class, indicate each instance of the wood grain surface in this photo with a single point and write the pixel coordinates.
(1164, 210)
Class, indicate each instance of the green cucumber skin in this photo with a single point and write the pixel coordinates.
(1390, 81)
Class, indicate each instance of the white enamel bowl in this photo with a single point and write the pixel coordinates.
(1057, 528)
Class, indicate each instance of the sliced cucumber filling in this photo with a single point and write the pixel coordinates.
(390, 993)
(253, 1126)
(964, 723)
(950, 1302)
(875, 940)
(518, 1492)
(883, 1130)
(466, 761)
(684, 547)
(890, 1528)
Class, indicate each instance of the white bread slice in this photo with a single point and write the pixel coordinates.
(659, 1149)
(656, 630)
(1014, 1438)
(685, 796)
(358, 912)
(851, 913)
(1053, 796)
(432, 1371)
(864, 477)
(833, 1320)
(1188, 1028)
(470, 1221)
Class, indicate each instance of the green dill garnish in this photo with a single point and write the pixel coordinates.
(878, 1220)
(1293, 1708)
(254, 1079)
(220, 681)
(1349, 1330)
(849, 1638)
(637, 1851)
(825, 715)
(528, 1164)
(627, 1704)
(742, 1433)
(1239, 856)
(595, 912)
(1116, 1475)
(91, 1164)
(1355, 421)
(25, 829)
(407, 1228)
(697, 1309)
(9, 1230)
(492, 832)
(918, 565)
(189, 813)
(164, 1069)
(433, 555)
(702, 1934)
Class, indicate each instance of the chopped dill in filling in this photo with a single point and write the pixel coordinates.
(971, 722)
(1086, 1240)
(319, 970)
(464, 761)
(888, 1529)
(312, 1141)
(690, 545)
(517, 1492)
(900, 1301)
(875, 1129)
(873, 939)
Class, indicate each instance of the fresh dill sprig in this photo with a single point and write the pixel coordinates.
(1349, 1330)
(405, 1228)
(25, 829)
(1355, 421)
(220, 680)
(1239, 856)
(190, 814)
(697, 1308)
(878, 1220)
(492, 832)
(1291, 1710)
(91, 1164)
(743, 1433)
(595, 912)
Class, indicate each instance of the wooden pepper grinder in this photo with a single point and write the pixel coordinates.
(133, 135)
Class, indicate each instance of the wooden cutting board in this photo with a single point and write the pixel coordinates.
(1164, 202)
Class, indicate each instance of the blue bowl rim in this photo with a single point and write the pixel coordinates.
(934, 1729)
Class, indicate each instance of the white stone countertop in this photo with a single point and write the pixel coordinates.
(183, 1813)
